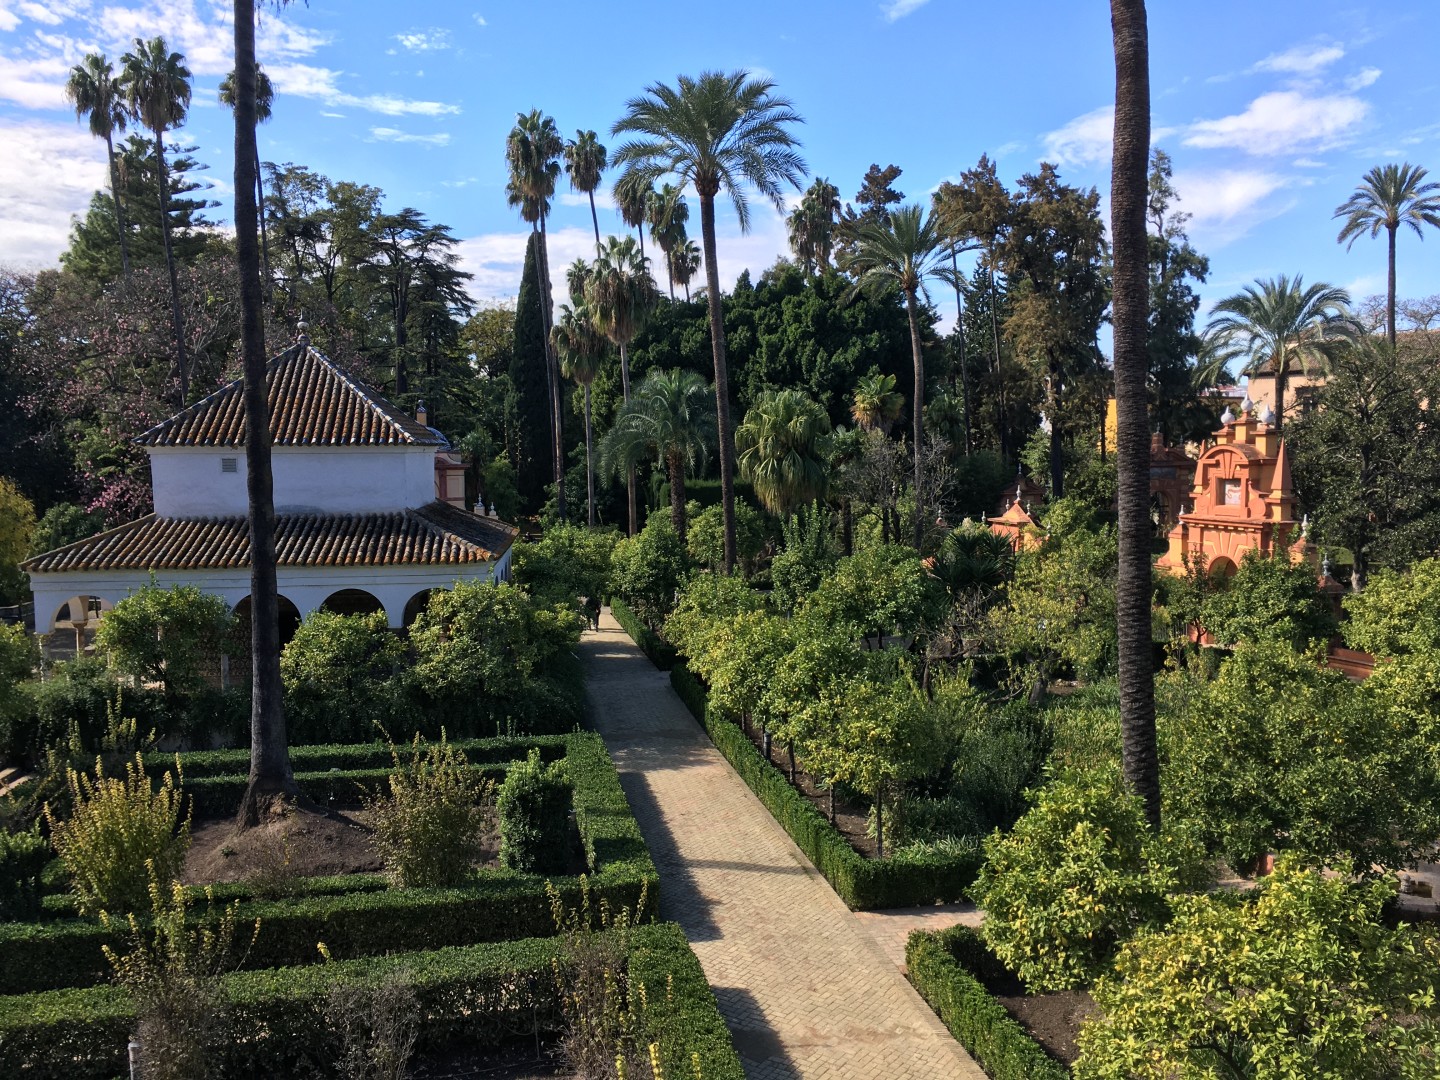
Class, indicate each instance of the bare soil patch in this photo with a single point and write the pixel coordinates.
(1053, 1020)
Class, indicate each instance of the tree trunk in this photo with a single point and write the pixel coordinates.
(589, 462)
(402, 340)
(553, 367)
(675, 465)
(960, 336)
(260, 214)
(1057, 444)
(119, 207)
(1390, 289)
(1128, 195)
(1282, 382)
(918, 356)
(179, 320)
(880, 824)
(594, 219)
(722, 376)
(632, 498)
(270, 777)
(995, 347)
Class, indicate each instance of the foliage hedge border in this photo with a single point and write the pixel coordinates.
(661, 653)
(481, 993)
(864, 884)
(943, 966)
(501, 905)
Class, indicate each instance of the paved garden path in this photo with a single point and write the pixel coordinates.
(805, 990)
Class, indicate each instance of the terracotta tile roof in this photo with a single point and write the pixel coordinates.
(312, 403)
(437, 534)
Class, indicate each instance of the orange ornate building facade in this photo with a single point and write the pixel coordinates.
(1243, 499)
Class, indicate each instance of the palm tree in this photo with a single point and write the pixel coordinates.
(684, 261)
(1389, 196)
(903, 252)
(717, 132)
(156, 84)
(783, 450)
(584, 163)
(1272, 324)
(580, 347)
(1129, 192)
(876, 404)
(271, 779)
(671, 420)
(264, 108)
(632, 198)
(811, 226)
(98, 97)
(532, 153)
(667, 212)
(620, 296)
(972, 559)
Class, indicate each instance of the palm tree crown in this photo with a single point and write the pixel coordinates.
(811, 226)
(783, 448)
(585, 161)
(671, 419)
(1275, 324)
(632, 199)
(156, 84)
(532, 152)
(1388, 197)
(876, 403)
(620, 294)
(98, 97)
(264, 94)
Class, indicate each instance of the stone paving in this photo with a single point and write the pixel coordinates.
(805, 991)
(889, 929)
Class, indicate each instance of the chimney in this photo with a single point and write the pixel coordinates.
(422, 415)
(1157, 442)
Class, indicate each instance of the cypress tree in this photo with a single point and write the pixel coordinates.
(532, 415)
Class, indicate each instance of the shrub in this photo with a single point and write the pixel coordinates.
(428, 830)
(879, 590)
(566, 563)
(647, 569)
(945, 968)
(23, 855)
(172, 973)
(17, 658)
(660, 652)
(122, 833)
(70, 708)
(375, 1024)
(808, 554)
(1069, 883)
(534, 806)
(339, 673)
(705, 536)
(1398, 613)
(1301, 978)
(166, 636)
(1269, 600)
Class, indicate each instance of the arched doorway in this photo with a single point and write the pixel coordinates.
(1221, 570)
(414, 606)
(289, 621)
(352, 602)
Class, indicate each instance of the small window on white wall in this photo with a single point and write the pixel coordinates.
(229, 464)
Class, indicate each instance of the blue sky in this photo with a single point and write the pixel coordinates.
(1271, 111)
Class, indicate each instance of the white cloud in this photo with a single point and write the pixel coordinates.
(8, 19)
(1084, 140)
(387, 134)
(1363, 78)
(459, 183)
(1308, 163)
(1283, 122)
(41, 13)
(603, 199)
(1225, 204)
(47, 173)
(36, 83)
(424, 40)
(309, 81)
(898, 9)
(1301, 60)
(479, 19)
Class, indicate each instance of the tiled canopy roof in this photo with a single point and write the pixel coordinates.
(312, 403)
(437, 534)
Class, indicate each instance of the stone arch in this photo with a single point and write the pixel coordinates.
(352, 602)
(289, 618)
(1221, 568)
(86, 608)
(414, 606)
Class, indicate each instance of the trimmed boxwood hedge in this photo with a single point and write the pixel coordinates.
(499, 905)
(661, 653)
(485, 994)
(943, 966)
(352, 756)
(864, 884)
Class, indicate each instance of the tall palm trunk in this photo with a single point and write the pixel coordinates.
(594, 219)
(270, 776)
(995, 347)
(179, 319)
(1128, 193)
(722, 374)
(1281, 368)
(552, 370)
(960, 333)
(589, 462)
(911, 301)
(264, 238)
(119, 206)
(632, 497)
(675, 465)
(1390, 288)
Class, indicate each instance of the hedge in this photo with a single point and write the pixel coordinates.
(943, 966)
(661, 653)
(484, 994)
(864, 884)
(499, 905)
(351, 756)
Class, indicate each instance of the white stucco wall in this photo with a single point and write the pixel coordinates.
(307, 587)
(190, 481)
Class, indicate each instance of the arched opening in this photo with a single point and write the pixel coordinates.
(352, 602)
(414, 606)
(1222, 570)
(80, 609)
(289, 621)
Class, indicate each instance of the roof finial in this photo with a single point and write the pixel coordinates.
(302, 333)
